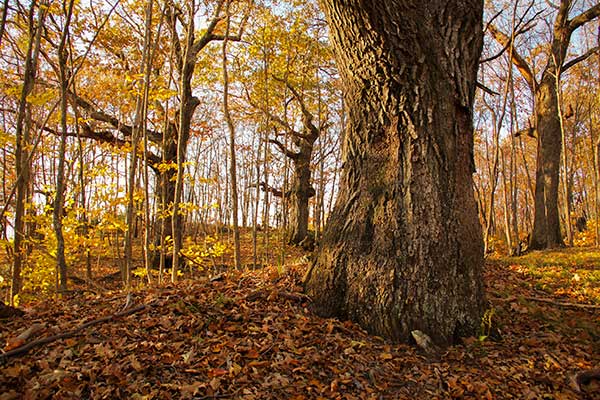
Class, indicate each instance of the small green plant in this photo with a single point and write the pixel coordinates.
(486, 324)
(222, 300)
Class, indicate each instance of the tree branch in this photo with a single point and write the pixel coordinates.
(208, 36)
(105, 136)
(582, 57)
(101, 116)
(25, 348)
(274, 191)
(273, 117)
(562, 15)
(517, 60)
(308, 117)
(486, 89)
(584, 17)
(284, 150)
(506, 46)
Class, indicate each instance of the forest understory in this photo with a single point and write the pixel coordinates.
(250, 335)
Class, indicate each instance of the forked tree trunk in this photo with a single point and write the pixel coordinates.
(402, 249)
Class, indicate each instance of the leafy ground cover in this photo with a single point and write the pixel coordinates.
(250, 335)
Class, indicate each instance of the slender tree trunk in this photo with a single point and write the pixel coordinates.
(22, 137)
(266, 203)
(565, 164)
(505, 192)
(232, 163)
(256, 206)
(596, 150)
(514, 195)
(402, 249)
(84, 218)
(493, 178)
(3, 20)
(58, 212)
(131, 217)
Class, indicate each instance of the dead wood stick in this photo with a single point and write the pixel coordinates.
(294, 296)
(32, 330)
(276, 293)
(26, 347)
(583, 378)
(549, 301)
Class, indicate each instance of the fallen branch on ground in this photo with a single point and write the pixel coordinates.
(26, 347)
(583, 378)
(300, 297)
(14, 343)
(548, 301)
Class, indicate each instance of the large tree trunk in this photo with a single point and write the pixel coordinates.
(546, 223)
(402, 249)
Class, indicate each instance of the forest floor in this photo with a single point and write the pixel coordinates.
(249, 335)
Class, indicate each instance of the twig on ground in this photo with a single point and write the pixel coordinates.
(548, 301)
(26, 347)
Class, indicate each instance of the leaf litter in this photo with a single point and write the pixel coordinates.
(250, 335)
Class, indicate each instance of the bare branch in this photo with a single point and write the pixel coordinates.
(104, 136)
(491, 21)
(307, 119)
(517, 60)
(582, 57)
(288, 153)
(507, 45)
(584, 17)
(101, 116)
(486, 89)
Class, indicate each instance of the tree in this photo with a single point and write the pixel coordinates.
(58, 207)
(289, 87)
(231, 127)
(186, 53)
(301, 187)
(22, 139)
(141, 109)
(402, 249)
(546, 226)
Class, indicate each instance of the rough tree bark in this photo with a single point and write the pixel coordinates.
(402, 249)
